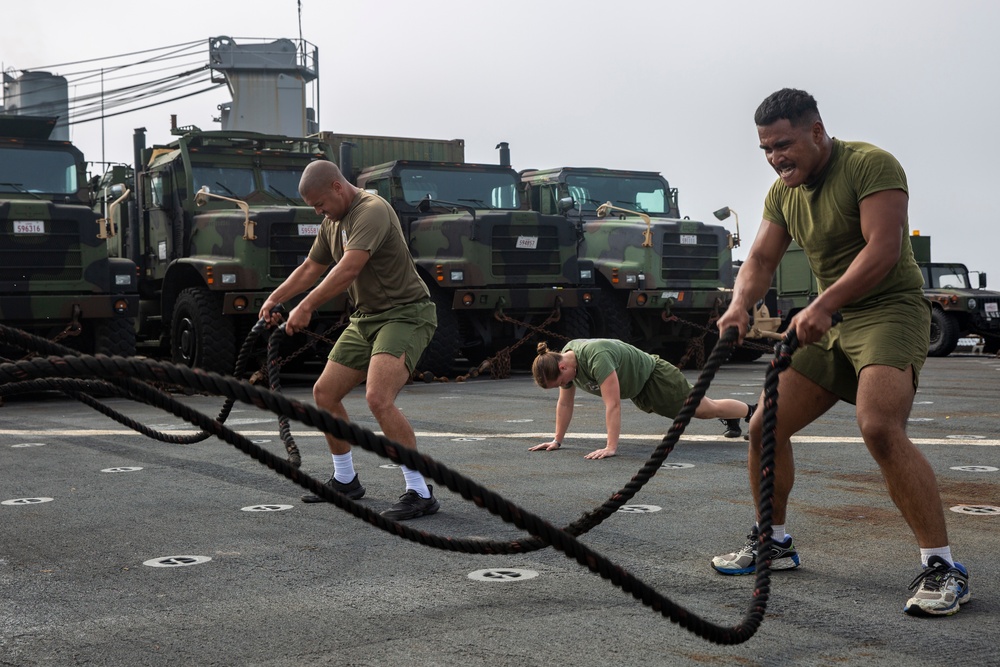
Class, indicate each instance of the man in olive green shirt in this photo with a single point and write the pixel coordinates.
(394, 321)
(845, 203)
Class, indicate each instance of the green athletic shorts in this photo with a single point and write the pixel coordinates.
(401, 330)
(893, 331)
(665, 391)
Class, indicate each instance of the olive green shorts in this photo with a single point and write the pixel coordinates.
(893, 331)
(401, 330)
(665, 391)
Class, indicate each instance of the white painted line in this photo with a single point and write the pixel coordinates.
(816, 439)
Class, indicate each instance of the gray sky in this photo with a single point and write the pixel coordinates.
(668, 86)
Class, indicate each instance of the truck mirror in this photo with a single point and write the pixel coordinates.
(566, 204)
(982, 280)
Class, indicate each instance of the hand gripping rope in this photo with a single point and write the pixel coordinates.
(78, 375)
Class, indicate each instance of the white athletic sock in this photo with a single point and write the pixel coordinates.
(343, 468)
(943, 552)
(778, 533)
(415, 482)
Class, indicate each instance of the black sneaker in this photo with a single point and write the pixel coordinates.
(733, 429)
(411, 505)
(352, 490)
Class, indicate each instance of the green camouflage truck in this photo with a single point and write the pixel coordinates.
(958, 309)
(661, 278)
(494, 268)
(215, 224)
(55, 268)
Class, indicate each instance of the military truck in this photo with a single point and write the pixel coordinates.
(57, 279)
(661, 278)
(958, 309)
(494, 268)
(215, 224)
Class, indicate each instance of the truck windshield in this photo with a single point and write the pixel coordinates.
(225, 181)
(946, 275)
(37, 171)
(647, 195)
(283, 182)
(480, 189)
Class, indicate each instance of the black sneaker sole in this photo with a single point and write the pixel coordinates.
(355, 494)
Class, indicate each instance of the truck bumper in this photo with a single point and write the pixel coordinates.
(540, 299)
(680, 300)
(37, 308)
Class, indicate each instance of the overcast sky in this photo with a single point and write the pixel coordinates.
(668, 86)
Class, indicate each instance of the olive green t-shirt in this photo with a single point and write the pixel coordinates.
(825, 217)
(596, 358)
(389, 278)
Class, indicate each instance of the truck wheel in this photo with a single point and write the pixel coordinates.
(575, 323)
(200, 335)
(115, 337)
(610, 316)
(944, 334)
(440, 354)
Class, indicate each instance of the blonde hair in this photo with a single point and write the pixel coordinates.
(545, 367)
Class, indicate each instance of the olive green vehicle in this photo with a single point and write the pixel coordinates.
(661, 278)
(957, 309)
(56, 276)
(494, 268)
(214, 225)
(483, 257)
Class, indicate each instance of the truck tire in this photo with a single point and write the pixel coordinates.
(944, 334)
(575, 323)
(440, 354)
(200, 335)
(115, 337)
(610, 316)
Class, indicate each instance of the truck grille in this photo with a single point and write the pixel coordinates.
(510, 260)
(287, 248)
(54, 256)
(689, 261)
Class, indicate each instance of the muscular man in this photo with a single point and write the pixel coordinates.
(394, 321)
(845, 203)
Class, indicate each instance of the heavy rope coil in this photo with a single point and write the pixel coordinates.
(135, 378)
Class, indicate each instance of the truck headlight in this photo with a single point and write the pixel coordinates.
(971, 304)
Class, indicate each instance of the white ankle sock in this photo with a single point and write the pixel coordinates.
(943, 552)
(343, 468)
(415, 482)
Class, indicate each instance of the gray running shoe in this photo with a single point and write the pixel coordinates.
(783, 557)
(940, 589)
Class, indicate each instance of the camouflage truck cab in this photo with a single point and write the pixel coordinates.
(484, 255)
(55, 267)
(660, 278)
(216, 225)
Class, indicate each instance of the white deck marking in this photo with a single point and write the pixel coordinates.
(976, 440)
